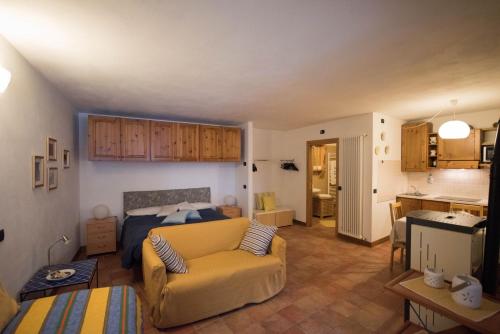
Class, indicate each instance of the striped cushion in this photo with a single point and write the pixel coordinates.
(258, 238)
(173, 261)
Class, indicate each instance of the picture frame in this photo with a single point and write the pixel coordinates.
(37, 171)
(51, 149)
(66, 159)
(52, 178)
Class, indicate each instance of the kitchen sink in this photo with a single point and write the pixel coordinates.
(414, 194)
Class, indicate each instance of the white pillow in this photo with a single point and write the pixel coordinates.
(185, 206)
(152, 210)
(167, 210)
(203, 205)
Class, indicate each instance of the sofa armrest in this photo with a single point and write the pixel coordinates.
(155, 277)
(278, 248)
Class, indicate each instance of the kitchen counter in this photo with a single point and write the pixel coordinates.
(463, 223)
(435, 197)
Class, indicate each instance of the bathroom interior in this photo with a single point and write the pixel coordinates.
(324, 184)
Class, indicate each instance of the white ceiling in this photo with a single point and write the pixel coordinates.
(281, 63)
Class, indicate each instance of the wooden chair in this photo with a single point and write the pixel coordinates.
(476, 210)
(396, 213)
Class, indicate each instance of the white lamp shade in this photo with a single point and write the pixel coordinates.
(101, 211)
(4, 79)
(454, 130)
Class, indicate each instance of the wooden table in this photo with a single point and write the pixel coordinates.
(490, 325)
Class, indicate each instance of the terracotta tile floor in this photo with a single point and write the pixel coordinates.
(333, 286)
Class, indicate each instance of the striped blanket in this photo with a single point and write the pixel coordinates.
(104, 310)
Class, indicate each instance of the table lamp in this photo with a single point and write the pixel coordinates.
(64, 239)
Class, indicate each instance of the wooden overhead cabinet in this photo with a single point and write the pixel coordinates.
(187, 142)
(460, 153)
(104, 138)
(231, 144)
(163, 141)
(135, 139)
(210, 143)
(414, 148)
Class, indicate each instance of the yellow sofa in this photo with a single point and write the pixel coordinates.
(221, 277)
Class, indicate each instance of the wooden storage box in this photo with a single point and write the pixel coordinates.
(278, 217)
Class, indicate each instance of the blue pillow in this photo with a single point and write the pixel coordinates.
(193, 214)
(180, 217)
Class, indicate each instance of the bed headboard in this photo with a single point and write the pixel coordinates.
(143, 199)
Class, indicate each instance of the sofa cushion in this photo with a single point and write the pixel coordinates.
(192, 241)
(258, 238)
(236, 267)
(173, 261)
(8, 308)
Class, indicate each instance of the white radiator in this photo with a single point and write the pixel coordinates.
(351, 182)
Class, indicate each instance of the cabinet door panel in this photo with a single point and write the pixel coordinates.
(104, 138)
(284, 218)
(409, 204)
(163, 141)
(414, 147)
(266, 218)
(435, 206)
(460, 149)
(187, 142)
(231, 144)
(135, 139)
(210, 143)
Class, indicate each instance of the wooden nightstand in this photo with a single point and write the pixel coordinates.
(230, 211)
(101, 235)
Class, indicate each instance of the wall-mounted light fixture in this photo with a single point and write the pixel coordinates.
(5, 77)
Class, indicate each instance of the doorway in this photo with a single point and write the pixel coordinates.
(321, 184)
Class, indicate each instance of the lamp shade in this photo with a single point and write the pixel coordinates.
(4, 79)
(454, 130)
(101, 211)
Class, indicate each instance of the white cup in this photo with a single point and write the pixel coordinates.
(433, 279)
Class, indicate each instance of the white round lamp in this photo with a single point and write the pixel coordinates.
(454, 129)
(101, 211)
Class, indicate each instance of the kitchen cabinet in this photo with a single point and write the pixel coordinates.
(135, 139)
(163, 141)
(414, 148)
(461, 149)
(231, 144)
(104, 138)
(210, 143)
(409, 204)
(187, 142)
(435, 206)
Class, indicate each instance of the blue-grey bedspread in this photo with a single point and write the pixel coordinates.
(135, 229)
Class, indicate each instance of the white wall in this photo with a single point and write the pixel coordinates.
(244, 176)
(381, 219)
(290, 186)
(30, 110)
(103, 182)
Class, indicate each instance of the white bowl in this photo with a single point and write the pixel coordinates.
(433, 279)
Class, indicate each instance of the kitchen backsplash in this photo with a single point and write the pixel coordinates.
(472, 183)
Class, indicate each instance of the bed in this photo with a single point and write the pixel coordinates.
(135, 228)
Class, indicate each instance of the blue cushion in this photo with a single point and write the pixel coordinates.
(180, 217)
(193, 214)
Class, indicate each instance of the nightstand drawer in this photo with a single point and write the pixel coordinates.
(100, 247)
(99, 228)
(230, 211)
(102, 237)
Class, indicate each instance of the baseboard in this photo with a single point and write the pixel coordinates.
(363, 242)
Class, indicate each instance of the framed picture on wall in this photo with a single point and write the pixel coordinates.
(66, 159)
(38, 171)
(52, 178)
(51, 149)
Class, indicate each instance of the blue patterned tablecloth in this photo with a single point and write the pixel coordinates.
(85, 270)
